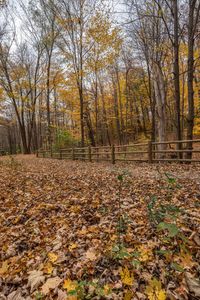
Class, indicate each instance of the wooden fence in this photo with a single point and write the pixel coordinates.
(168, 151)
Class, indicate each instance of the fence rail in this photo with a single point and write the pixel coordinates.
(166, 151)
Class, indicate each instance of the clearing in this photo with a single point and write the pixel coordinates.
(75, 230)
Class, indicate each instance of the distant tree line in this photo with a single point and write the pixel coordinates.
(70, 75)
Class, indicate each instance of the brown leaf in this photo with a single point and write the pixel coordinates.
(51, 284)
(62, 295)
(16, 295)
(35, 279)
(91, 254)
(193, 284)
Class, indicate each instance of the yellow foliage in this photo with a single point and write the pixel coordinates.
(126, 276)
(145, 253)
(128, 295)
(52, 257)
(106, 289)
(4, 268)
(72, 246)
(48, 268)
(70, 285)
(154, 290)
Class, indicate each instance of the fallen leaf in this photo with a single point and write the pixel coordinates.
(193, 284)
(51, 284)
(35, 279)
(72, 246)
(128, 295)
(126, 276)
(62, 295)
(106, 289)
(16, 295)
(154, 290)
(186, 260)
(52, 257)
(91, 254)
(4, 268)
(48, 268)
(197, 239)
(70, 285)
(145, 253)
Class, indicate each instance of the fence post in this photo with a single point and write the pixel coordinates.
(97, 152)
(113, 154)
(89, 154)
(37, 153)
(73, 154)
(150, 159)
(60, 154)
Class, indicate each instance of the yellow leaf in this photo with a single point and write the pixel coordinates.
(128, 295)
(83, 232)
(186, 260)
(113, 237)
(126, 276)
(154, 290)
(145, 253)
(72, 297)
(106, 289)
(52, 257)
(48, 268)
(69, 285)
(5, 248)
(72, 246)
(4, 268)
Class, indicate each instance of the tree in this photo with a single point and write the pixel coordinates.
(193, 18)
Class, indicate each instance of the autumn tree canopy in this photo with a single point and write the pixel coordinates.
(88, 72)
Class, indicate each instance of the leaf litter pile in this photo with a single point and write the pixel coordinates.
(75, 230)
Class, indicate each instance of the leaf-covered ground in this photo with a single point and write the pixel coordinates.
(75, 230)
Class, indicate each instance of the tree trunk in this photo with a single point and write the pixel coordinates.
(190, 116)
(176, 76)
(160, 98)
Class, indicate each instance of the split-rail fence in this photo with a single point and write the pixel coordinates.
(185, 151)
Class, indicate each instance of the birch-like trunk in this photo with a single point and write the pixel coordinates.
(160, 97)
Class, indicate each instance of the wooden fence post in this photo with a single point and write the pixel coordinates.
(97, 151)
(89, 154)
(73, 154)
(113, 154)
(150, 159)
(37, 154)
(61, 154)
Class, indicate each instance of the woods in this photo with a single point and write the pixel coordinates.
(80, 73)
(99, 149)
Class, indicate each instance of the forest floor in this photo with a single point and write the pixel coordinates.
(75, 230)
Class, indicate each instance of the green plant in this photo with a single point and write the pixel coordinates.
(39, 296)
(171, 181)
(121, 219)
(120, 252)
(63, 139)
(88, 289)
(158, 212)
